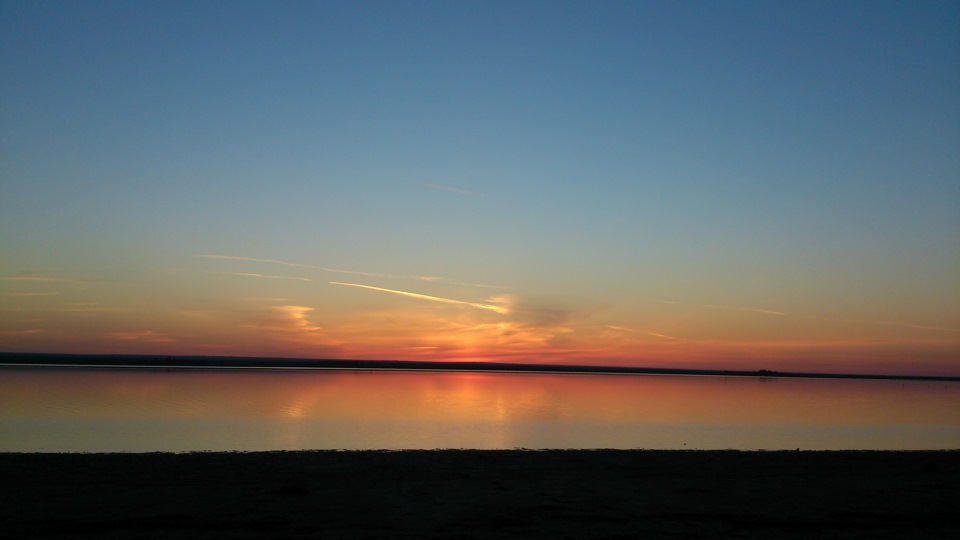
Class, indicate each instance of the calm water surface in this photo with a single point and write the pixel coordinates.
(100, 410)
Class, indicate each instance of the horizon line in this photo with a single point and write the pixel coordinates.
(114, 360)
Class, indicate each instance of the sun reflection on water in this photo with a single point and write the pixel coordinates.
(365, 409)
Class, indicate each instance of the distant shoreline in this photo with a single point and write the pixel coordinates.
(265, 363)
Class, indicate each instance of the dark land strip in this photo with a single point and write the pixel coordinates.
(235, 362)
(482, 494)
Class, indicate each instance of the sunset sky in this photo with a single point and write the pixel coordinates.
(742, 185)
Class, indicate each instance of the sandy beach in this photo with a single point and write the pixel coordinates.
(482, 494)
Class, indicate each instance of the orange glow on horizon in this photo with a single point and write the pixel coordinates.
(404, 325)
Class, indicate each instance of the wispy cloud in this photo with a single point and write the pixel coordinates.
(47, 278)
(916, 326)
(20, 332)
(358, 272)
(145, 336)
(265, 276)
(428, 279)
(538, 313)
(530, 323)
(663, 336)
(506, 335)
(448, 188)
(900, 324)
(91, 310)
(290, 319)
(764, 311)
(337, 271)
(620, 333)
(750, 309)
(620, 328)
(466, 284)
(718, 306)
(252, 259)
(86, 307)
(293, 264)
(490, 307)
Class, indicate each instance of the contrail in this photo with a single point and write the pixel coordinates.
(271, 261)
(325, 269)
(297, 265)
(359, 273)
(267, 276)
(496, 309)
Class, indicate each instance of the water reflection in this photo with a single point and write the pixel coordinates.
(134, 410)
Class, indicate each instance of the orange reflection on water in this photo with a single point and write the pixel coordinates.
(444, 409)
(472, 396)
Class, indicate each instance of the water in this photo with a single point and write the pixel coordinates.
(109, 410)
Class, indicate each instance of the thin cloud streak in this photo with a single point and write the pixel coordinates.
(252, 259)
(47, 278)
(916, 326)
(887, 323)
(875, 322)
(752, 310)
(765, 311)
(296, 265)
(293, 264)
(89, 310)
(664, 336)
(358, 273)
(146, 336)
(291, 319)
(265, 276)
(340, 271)
(497, 309)
(478, 285)
(620, 328)
(717, 306)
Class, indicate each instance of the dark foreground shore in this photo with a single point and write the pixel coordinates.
(482, 494)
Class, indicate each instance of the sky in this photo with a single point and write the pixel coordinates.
(728, 185)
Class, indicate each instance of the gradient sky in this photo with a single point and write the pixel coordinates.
(737, 185)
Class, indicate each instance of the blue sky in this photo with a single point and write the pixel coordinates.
(595, 159)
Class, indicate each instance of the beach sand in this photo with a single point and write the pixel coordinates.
(482, 494)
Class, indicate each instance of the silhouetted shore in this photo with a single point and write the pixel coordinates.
(482, 494)
(236, 362)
